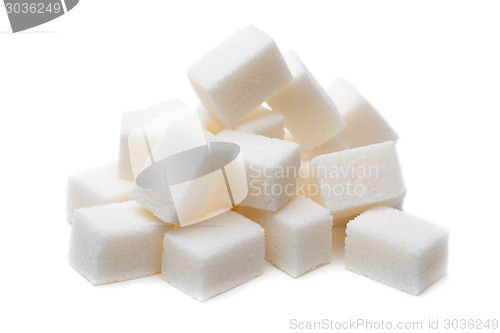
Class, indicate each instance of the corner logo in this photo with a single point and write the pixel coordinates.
(26, 14)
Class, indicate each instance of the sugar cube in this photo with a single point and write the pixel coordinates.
(209, 258)
(178, 136)
(238, 75)
(260, 121)
(330, 146)
(210, 121)
(131, 120)
(264, 122)
(349, 182)
(298, 235)
(309, 112)
(116, 242)
(272, 167)
(97, 186)
(365, 125)
(397, 249)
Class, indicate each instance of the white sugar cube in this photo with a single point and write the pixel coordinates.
(260, 121)
(310, 114)
(158, 201)
(397, 249)
(210, 122)
(178, 136)
(298, 235)
(365, 125)
(116, 242)
(272, 167)
(332, 145)
(239, 75)
(209, 258)
(97, 186)
(351, 181)
(132, 119)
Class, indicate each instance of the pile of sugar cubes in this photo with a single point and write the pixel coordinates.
(315, 159)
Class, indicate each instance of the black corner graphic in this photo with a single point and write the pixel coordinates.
(26, 14)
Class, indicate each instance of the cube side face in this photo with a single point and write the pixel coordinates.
(182, 268)
(211, 122)
(207, 103)
(432, 264)
(314, 245)
(84, 249)
(157, 201)
(353, 181)
(281, 244)
(239, 262)
(116, 242)
(289, 178)
(380, 260)
(295, 244)
(365, 126)
(270, 187)
(126, 256)
(275, 128)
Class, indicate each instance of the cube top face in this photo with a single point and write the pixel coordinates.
(229, 56)
(398, 228)
(113, 219)
(103, 181)
(300, 212)
(215, 234)
(259, 149)
(353, 179)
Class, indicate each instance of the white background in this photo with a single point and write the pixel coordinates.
(432, 68)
